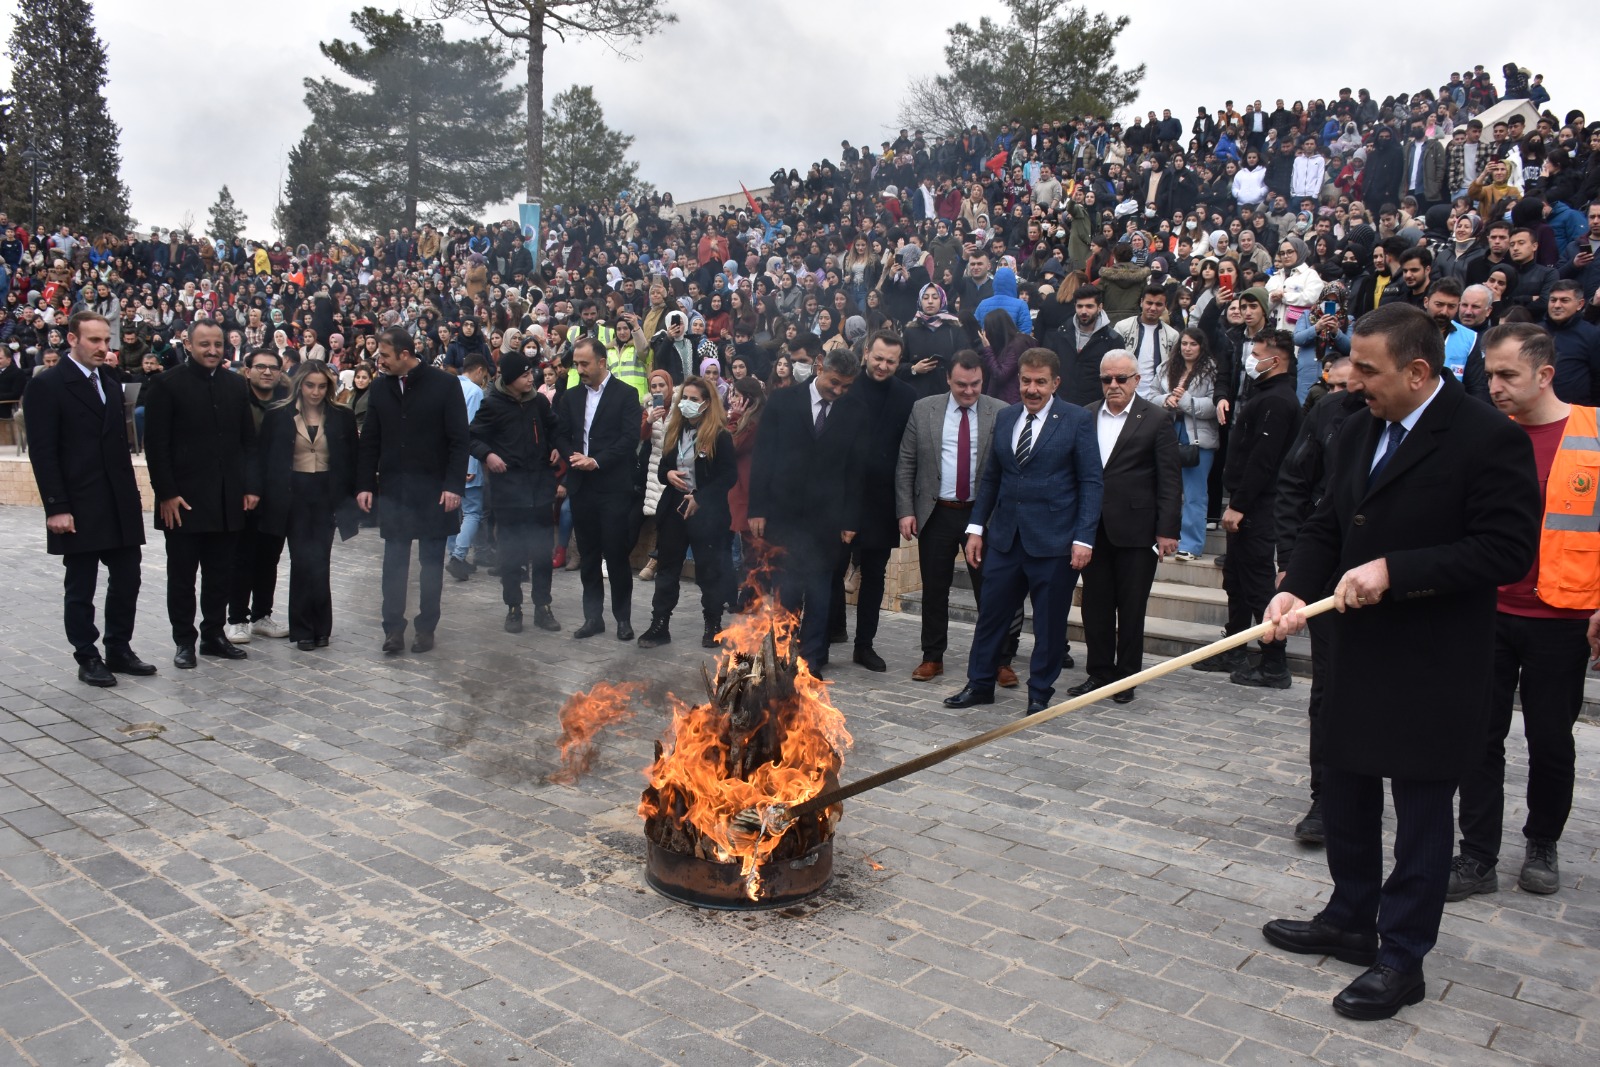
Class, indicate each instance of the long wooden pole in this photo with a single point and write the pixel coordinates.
(1149, 674)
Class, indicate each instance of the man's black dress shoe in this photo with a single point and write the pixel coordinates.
(305, 644)
(870, 660)
(423, 642)
(322, 642)
(394, 642)
(1380, 993)
(1317, 938)
(94, 672)
(1088, 685)
(128, 663)
(221, 648)
(969, 696)
(183, 659)
(624, 631)
(589, 628)
(1035, 707)
(1124, 697)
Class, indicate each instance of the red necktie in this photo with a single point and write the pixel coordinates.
(964, 459)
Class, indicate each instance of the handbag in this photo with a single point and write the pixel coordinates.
(1188, 451)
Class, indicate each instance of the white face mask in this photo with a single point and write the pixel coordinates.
(1252, 365)
(801, 372)
(690, 409)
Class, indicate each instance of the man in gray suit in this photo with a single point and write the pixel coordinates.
(934, 490)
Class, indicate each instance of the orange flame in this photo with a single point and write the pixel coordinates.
(700, 774)
(583, 717)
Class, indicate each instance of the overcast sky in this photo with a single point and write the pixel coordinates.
(209, 91)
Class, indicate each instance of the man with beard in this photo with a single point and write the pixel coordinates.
(888, 400)
(1463, 350)
(1381, 183)
(1080, 344)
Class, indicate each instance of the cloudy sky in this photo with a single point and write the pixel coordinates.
(735, 89)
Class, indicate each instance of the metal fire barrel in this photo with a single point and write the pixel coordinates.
(708, 884)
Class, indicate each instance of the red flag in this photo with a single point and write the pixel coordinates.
(754, 207)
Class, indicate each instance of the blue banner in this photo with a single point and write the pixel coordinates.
(528, 215)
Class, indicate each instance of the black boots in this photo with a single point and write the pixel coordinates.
(657, 635)
(514, 619)
(544, 618)
(713, 628)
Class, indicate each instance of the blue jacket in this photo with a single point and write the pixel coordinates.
(1054, 500)
(1568, 223)
(1005, 299)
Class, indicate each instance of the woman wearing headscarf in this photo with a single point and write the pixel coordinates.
(1294, 286)
(1451, 258)
(1502, 281)
(308, 476)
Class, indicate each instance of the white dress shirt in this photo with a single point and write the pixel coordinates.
(1016, 437)
(1409, 422)
(591, 401)
(1108, 427)
(816, 402)
(947, 450)
(91, 374)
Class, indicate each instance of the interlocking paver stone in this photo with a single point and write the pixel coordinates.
(337, 858)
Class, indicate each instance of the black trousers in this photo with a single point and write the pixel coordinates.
(1321, 664)
(1405, 909)
(942, 538)
(605, 532)
(310, 538)
(211, 555)
(397, 574)
(874, 564)
(526, 537)
(1250, 579)
(81, 573)
(255, 573)
(1546, 659)
(713, 564)
(804, 567)
(1116, 590)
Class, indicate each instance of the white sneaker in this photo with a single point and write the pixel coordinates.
(267, 626)
(237, 632)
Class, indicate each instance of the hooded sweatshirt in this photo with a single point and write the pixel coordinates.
(1005, 299)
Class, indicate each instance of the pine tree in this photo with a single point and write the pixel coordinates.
(305, 215)
(583, 156)
(58, 111)
(430, 131)
(227, 220)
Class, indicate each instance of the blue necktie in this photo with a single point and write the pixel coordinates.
(1396, 433)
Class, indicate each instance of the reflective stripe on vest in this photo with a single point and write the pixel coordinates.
(1569, 544)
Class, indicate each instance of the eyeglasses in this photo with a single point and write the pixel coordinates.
(1120, 379)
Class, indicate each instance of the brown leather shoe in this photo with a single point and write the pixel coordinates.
(1006, 678)
(927, 671)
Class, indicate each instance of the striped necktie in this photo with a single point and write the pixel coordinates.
(1025, 442)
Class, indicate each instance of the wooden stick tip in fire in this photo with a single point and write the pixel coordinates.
(751, 824)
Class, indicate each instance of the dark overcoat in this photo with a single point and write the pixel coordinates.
(79, 449)
(1455, 513)
(276, 449)
(199, 442)
(413, 448)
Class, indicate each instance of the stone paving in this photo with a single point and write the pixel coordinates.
(338, 858)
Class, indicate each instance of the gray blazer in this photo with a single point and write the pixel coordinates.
(916, 482)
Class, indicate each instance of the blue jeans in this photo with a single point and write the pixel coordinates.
(1192, 537)
(471, 515)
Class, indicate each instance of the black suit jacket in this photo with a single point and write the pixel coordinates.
(199, 442)
(413, 448)
(1143, 480)
(1455, 513)
(613, 438)
(79, 450)
(276, 452)
(806, 481)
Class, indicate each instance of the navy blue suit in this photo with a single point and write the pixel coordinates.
(1031, 515)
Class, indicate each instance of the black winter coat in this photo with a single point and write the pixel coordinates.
(522, 433)
(888, 407)
(276, 452)
(1454, 514)
(199, 443)
(79, 450)
(924, 342)
(1080, 371)
(413, 448)
(804, 481)
(714, 478)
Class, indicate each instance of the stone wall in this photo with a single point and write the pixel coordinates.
(18, 487)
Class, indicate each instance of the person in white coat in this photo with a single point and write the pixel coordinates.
(1294, 286)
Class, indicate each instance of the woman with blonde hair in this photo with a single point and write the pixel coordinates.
(307, 454)
(698, 467)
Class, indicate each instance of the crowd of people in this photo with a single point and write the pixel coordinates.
(1054, 350)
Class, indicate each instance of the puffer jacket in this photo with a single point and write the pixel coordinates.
(653, 486)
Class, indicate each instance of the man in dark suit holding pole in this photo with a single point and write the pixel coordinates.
(1139, 519)
(1433, 502)
(597, 430)
(1032, 528)
(413, 457)
(78, 442)
(200, 445)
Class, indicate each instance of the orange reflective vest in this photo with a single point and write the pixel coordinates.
(1569, 543)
